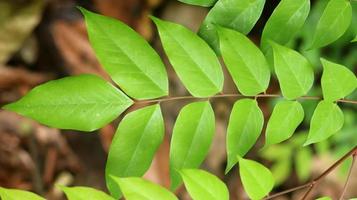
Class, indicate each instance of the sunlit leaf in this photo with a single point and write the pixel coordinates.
(84, 193)
(194, 61)
(84, 102)
(326, 121)
(15, 194)
(205, 3)
(294, 72)
(324, 198)
(202, 185)
(191, 138)
(333, 23)
(135, 188)
(286, 117)
(134, 144)
(337, 81)
(257, 180)
(244, 127)
(245, 62)
(130, 61)
(239, 15)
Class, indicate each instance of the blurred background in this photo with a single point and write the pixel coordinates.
(41, 40)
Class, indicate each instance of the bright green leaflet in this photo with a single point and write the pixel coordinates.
(204, 3)
(127, 57)
(194, 61)
(135, 188)
(14, 194)
(285, 22)
(244, 127)
(324, 198)
(135, 142)
(333, 23)
(191, 138)
(326, 121)
(202, 185)
(286, 117)
(303, 160)
(84, 193)
(245, 62)
(337, 81)
(84, 102)
(257, 180)
(239, 15)
(294, 72)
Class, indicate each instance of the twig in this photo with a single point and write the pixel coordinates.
(348, 176)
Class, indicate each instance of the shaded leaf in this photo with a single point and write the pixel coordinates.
(281, 170)
(193, 60)
(245, 62)
(84, 193)
(337, 81)
(303, 161)
(244, 127)
(333, 23)
(84, 102)
(202, 185)
(354, 39)
(135, 142)
(285, 22)
(14, 194)
(191, 138)
(257, 180)
(239, 15)
(204, 3)
(294, 72)
(135, 188)
(286, 117)
(127, 57)
(326, 121)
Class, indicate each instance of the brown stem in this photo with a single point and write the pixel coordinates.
(348, 176)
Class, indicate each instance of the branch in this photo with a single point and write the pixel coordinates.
(348, 176)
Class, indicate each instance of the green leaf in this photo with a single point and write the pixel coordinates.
(202, 185)
(127, 57)
(135, 142)
(191, 138)
(84, 102)
(303, 161)
(14, 194)
(281, 170)
(294, 72)
(257, 180)
(84, 193)
(337, 81)
(326, 121)
(194, 61)
(334, 21)
(245, 62)
(285, 22)
(354, 39)
(324, 198)
(135, 188)
(244, 127)
(286, 117)
(239, 15)
(204, 3)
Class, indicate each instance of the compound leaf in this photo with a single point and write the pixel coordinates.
(202, 185)
(286, 117)
(135, 188)
(239, 15)
(244, 127)
(134, 144)
(84, 102)
(191, 138)
(245, 62)
(15, 194)
(127, 57)
(194, 61)
(204, 3)
(288, 17)
(84, 193)
(334, 21)
(294, 72)
(326, 120)
(257, 180)
(337, 81)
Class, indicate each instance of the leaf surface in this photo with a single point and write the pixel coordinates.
(135, 142)
(204, 3)
(15, 194)
(84, 102)
(85, 193)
